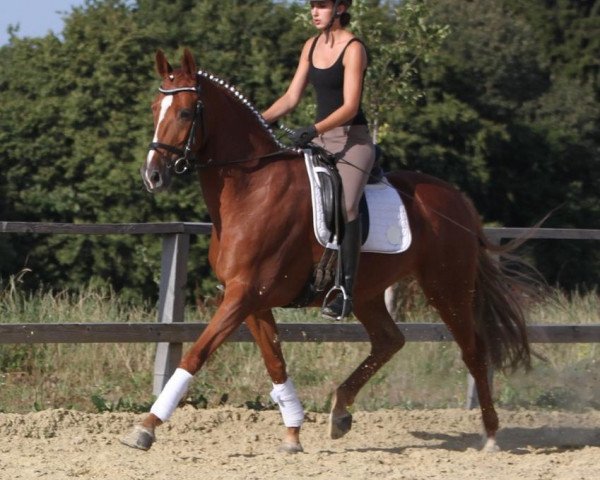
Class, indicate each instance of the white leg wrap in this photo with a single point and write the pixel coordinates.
(284, 394)
(169, 398)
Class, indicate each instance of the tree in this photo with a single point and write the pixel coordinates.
(70, 110)
(499, 122)
(401, 38)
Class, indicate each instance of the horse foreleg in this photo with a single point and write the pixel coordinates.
(230, 314)
(386, 340)
(264, 330)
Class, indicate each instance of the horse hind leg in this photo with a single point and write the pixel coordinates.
(386, 339)
(476, 360)
(455, 306)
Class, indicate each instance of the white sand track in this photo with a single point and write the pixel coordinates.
(236, 443)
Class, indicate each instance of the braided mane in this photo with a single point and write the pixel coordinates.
(244, 101)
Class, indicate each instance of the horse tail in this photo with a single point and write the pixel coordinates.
(504, 284)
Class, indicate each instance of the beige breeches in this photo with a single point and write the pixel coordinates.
(356, 154)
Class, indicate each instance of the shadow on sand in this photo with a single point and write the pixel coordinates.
(518, 440)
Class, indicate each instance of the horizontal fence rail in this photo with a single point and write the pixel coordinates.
(203, 228)
(30, 333)
(170, 332)
(200, 228)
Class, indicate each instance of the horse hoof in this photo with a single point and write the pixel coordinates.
(140, 438)
(339, 425)
(290, 447)
(491, 446)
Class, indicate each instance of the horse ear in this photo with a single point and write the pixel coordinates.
(188, 64)
(163, 67)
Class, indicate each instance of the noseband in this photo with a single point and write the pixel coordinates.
(187, 159)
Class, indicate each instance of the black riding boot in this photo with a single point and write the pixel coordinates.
(350, 252)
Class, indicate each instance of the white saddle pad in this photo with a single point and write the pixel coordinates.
(389, 231)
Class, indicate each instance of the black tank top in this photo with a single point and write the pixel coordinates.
(329, 86)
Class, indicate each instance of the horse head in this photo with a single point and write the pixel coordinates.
(178, 122)
(191, 104)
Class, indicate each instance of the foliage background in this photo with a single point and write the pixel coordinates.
(500, 98)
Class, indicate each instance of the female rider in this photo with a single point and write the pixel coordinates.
(334, 62)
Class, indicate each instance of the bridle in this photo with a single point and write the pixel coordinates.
(187, 158)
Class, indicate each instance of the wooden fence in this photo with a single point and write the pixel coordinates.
(170, 332)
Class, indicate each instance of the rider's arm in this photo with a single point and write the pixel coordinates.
(288, 101)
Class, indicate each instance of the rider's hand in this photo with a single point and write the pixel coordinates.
(301, 137)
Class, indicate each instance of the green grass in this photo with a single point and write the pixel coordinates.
(110, 377)
(568, 375)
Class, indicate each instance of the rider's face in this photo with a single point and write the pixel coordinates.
(321, 12)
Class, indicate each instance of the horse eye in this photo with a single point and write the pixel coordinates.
(185, 114)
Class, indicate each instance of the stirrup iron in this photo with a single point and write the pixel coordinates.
(346, 299)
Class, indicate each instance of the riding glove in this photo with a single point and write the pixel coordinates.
(301, 137)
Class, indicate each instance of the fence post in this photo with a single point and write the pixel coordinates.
(472, 397)
(173, 278)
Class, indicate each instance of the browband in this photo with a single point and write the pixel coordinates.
(171, 91)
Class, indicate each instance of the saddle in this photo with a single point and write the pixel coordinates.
(331, 195)
(331, 190)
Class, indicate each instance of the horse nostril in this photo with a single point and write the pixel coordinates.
(155, 177)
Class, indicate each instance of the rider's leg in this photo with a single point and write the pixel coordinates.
(340, 307)
(356, 154)
(355, 163)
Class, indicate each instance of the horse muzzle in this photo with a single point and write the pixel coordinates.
(155, 179)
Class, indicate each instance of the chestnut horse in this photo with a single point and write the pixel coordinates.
(263, 249)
